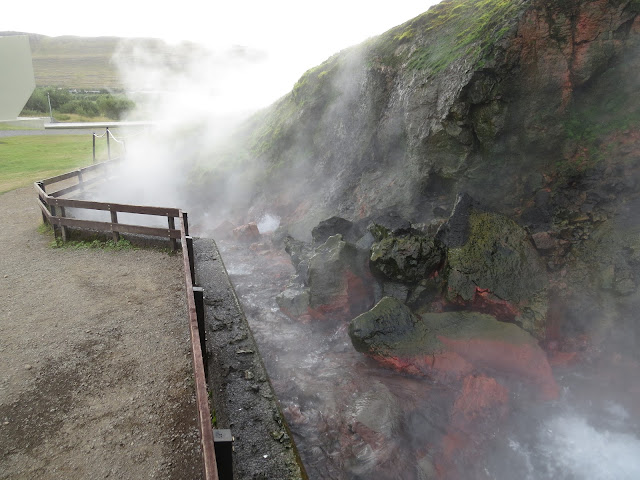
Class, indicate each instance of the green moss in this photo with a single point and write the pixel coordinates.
(448, 31)
(121, 244)
(598, 120)
(497, 256)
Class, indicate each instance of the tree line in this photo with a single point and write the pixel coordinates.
(89, 104)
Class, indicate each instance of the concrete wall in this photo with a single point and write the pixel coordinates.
(16, 75)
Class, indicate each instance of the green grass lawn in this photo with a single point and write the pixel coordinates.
(4, 126)
(25, 159)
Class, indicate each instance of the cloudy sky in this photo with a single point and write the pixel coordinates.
(317, 29)
(291, 36)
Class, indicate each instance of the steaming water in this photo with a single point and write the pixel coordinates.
(352, 419)
(268, 223)
(568, 446)
(576, 449)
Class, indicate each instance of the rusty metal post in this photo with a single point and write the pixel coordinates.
(172, 226)
(114, 221)
(192, 265)
(198, 297)
(223, 444)
(185, 222)
(108, 145)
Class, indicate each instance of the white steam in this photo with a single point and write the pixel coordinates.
(268, 223)
(576, 449)
(569, 447)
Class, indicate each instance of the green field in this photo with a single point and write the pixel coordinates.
(25, 159)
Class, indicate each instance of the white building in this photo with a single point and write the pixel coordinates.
(16, 75)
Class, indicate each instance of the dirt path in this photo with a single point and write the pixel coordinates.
(95, 369)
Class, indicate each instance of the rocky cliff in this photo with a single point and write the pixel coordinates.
(531, 107)
(476, 173)
(505, 99)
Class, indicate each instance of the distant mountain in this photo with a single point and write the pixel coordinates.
(85, 62)
(74, 62)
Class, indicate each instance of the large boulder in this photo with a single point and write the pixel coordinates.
(339, 280)
(406, 259)
(246, 233)
(294, 302)
(388, 223)
(451, 345)
(492, 266)
(349, 231)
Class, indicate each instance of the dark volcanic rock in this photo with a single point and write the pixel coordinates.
(340, 284)
(406, 259)
(389, 223)
(294, 302)
(336, 225)
(383, 327)
(299, 252)
(455, 231)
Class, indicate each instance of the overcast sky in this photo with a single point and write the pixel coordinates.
(317, 28)
(292, 36)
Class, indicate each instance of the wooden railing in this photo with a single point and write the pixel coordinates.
(53, 212)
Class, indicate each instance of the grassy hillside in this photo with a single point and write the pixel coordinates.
(76, 62)
(83, 62)
(73, 62)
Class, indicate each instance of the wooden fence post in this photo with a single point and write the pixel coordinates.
(56, 228)
(114, 221)
(223, 445)
(44, 217)
(172, 226)
(64, 230)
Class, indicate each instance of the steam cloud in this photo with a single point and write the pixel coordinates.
(195, 96)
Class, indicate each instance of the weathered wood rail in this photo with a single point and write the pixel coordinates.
(53, 212)
(54, 207)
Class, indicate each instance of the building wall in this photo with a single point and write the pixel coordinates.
(16, 75)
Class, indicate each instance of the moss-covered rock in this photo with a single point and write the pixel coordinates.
(492, 266)
(406, 259)
(340, 284)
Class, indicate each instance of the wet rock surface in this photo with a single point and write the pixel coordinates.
(333, 280)
(242, 396)
(406, 259)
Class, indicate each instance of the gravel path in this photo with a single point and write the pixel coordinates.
(95, 369)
